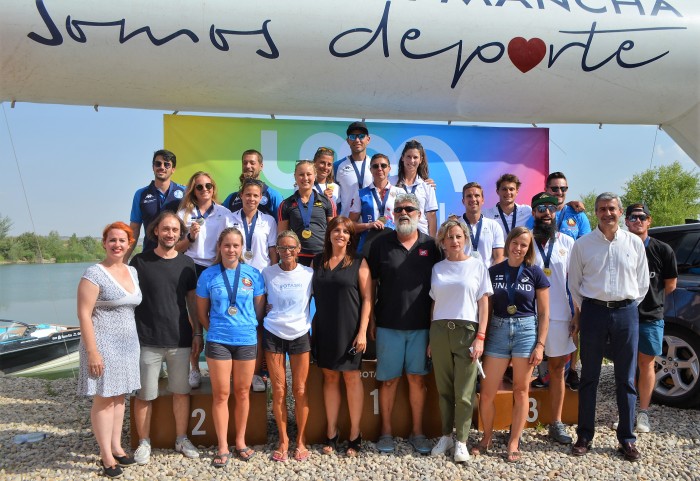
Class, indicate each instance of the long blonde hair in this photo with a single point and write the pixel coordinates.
(189, 200)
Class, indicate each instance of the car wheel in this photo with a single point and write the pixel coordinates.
(678, 369)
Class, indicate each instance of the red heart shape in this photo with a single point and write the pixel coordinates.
(526, 54)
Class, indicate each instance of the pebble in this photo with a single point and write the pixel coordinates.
(69, 451)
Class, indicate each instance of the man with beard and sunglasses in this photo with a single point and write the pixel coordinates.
(552, 254)
(401, 263)
(160, 195)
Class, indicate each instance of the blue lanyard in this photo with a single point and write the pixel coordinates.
(249, 233)
(318, 188)
(646, 242)
(474, 239)
(511, 286)
(305, 210)
(546, 259)
(503, 217)
(561, 218)
(360, 178)
(381, 205)
(413, 190)
(206, 214)
(232, 292)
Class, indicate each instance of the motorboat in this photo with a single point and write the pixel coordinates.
(37, 349)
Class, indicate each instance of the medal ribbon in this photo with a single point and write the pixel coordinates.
(305, 210)
(249, 233)
(561, 218)
(360, 178)
(474, 239)
(318, 188)
(206, 214)
(511, 286)
(381, 205)
(503, 217)
(232, 292)
(546, 259)
(413, 189)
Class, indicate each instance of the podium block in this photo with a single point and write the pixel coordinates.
(370, 424)
(539, 408)
(200, 429)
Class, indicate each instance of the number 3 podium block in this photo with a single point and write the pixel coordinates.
(201, 425)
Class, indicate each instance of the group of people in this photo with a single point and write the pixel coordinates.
(509, 285)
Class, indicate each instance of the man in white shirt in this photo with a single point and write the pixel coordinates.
(352, 173)
(608, 278)
(506, 212)
(487, 241)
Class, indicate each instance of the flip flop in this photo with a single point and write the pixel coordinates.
(245, 453)
(221, 460)
(280, 456)
(514, 457)
(301, 454)
(479, 449)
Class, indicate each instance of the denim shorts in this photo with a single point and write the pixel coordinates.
(511, 337)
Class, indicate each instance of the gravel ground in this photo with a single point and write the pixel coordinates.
(670, 452)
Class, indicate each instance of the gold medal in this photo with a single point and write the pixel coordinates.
(382, 219)
(247, 255)
(512, 309)
(306, 234)
(232, 310)
(547, 271)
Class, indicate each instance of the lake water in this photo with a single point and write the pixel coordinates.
(37, 293)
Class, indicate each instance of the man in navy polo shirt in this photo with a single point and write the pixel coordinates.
(251, 167)
(160, 195)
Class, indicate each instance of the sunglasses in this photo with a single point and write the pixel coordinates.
(544, 208)
(379, 166)
(325, 150)
(159, 163)
(637, 217)
(353, 137)
(207, 186)
(407, 209)
(286, 248)
(557, 189)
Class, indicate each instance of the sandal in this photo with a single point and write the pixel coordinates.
(280, 456)
(514, 456)
(111, 471)
(301, 454)
(354, 446)
(221, 460)
(245, 453)
(125, 460)
(480, 449)
(331, 444)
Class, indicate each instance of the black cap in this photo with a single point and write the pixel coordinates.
(357, 126)
(638, 207)
(543, 198)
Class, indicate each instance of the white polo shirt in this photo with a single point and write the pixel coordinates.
(491, 238)
(346, 177)
(522, 213)
(264, 237)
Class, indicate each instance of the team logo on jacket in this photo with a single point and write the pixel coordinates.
(247, 282)
(178, 194)
(571, 222)
(264, 200)
(423, 252)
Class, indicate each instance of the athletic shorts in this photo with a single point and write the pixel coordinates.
(272, 343)
(399, 351)
(177, 360)
(225, 352)
(651, 337)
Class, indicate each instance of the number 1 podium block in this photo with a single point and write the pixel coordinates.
(200, 429)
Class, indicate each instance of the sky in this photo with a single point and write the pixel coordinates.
(74, 170)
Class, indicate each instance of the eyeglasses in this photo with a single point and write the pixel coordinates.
(207, 186)
(286, 248)
(379, 166)
(158, 164)
(325, 151)
(637, 217)
(556, 188)
(407, 209)
(353, 137)
(544, 208)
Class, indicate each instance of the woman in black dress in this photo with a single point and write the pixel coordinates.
(341, 286)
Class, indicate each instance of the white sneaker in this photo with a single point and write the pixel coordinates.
(143, 453)
(186, 447)
(461, 452)
(258, 384)
(444, 444)
(643, 425)
(615, 424)
(195, 379)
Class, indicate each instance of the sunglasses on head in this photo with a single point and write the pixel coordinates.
(556, 188)
(407, 209)
(637, 217)
(207, 186)
(162, 163)
(353, 137)
(379, 166)
(546, 207)
(325, 150)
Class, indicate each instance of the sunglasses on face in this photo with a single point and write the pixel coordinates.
(407, 209)
(286, 248)
(158, 164)
(207, 186)
(379, 166)
(544, 208)
(557, 189)
(637, 217)
(353, 137)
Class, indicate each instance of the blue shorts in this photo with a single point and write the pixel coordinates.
(651, 337)
(511, 337)
(399, 350)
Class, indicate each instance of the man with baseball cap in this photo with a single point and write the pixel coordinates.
(663, 274)
(352, 173)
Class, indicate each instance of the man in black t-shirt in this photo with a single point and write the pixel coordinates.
(168, 281)
(401, 263)
(663, 274)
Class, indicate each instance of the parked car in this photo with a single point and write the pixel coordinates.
(678, 368)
